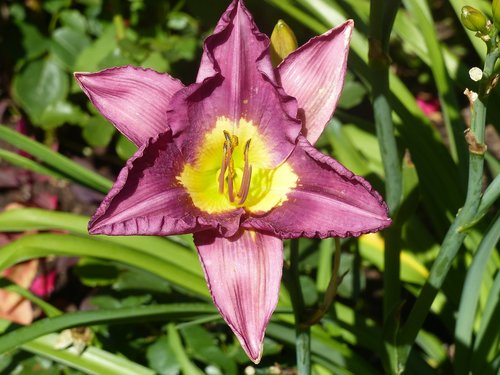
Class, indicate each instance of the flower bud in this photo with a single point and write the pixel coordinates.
(495, 7)
(473, 19)
(283, 42)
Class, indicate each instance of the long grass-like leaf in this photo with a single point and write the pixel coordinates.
(43, 327)
(22, 162)
(470, 297)
(43, 245)
(175, 342)
(92, 361)
(56, 161)
(26, 219)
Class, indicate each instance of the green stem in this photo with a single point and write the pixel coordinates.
(454, 238)
(303, 349)
(382, 15)
(490, 196)
(303, 332)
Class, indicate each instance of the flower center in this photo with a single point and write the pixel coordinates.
(231, 171)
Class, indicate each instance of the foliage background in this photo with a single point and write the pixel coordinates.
(145, 299)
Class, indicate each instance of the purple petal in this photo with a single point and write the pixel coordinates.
(147, 198)
(236, 80)
(243, 274)
(135, 100)
(314, 75)
(328, 201)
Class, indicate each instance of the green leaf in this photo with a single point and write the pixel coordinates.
(61, 112)
(67, 43)
(54, 6)
(485, 347)
(94, 272)
(58, 162)
(89, 59)
(134, 279)
(161, 357)
(470, 297)
(203, 346)
(74, 20)
(344, 150)
(354, 280)
(43, 245)
(156, 61)
(98, 132)
(175, 342)
(22, 162)
(124, 148)
(42, 327)
(33, 41)
(371, 247)
(26, 219)
(308, 290)
(353, 93)
(40, 84)
(91, 361)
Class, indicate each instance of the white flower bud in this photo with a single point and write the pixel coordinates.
(475, 74)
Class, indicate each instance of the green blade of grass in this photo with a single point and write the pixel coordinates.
(43, 245)
(175, 342)
(56, 161)
(22, 162)
(20, 336)
(470, 297)
(92, 361)
(26, 219)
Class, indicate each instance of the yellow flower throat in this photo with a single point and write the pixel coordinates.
(232, 170)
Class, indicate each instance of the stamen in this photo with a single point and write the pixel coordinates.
(228, 137)
(223, 169)
(247, 176)
(245, 184)
(228, 164)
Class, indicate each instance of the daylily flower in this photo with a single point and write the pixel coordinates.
(230, 159)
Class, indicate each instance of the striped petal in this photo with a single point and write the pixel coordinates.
(314, 75)
(147, 198)
(236, 81)
(328, 200)
(134, 100)
(243, 274)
